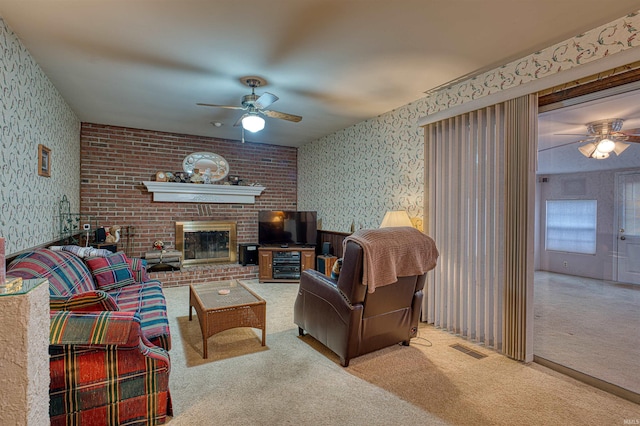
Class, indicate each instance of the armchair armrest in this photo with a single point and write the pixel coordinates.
(106, 328)
(88, 301)
(323, 310)
(139, 269)
(99, 362)
(326, 288)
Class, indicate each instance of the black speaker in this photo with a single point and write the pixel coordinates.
(101, 235)
(248, 254)
(326, 248)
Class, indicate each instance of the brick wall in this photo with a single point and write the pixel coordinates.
(116, 160)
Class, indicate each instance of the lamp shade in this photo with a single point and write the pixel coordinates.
(395, 218)
(587, 150)
(620, 146)
(253, 123)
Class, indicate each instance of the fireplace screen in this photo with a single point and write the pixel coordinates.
(206, 242)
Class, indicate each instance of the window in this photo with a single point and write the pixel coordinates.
(631, 207)
(571, 226)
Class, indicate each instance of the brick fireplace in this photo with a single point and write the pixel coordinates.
(205, 242)
(116, 160)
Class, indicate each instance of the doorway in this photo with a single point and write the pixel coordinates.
(587, 301)
(628, 225)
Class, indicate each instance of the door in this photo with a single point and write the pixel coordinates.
(628, 238)
(308, 259)
(265, 269)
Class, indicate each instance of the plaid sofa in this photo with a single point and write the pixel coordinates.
(109, 337)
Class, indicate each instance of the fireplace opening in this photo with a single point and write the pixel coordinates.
(203, 242)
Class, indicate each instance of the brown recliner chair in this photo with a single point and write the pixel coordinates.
(349, 320)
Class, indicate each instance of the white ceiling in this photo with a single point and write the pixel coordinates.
(146, 63)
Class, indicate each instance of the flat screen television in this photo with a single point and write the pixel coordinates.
(287, 227)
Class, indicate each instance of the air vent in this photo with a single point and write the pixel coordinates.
(468, 351)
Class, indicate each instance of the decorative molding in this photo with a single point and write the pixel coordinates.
(174, 192)
(575, 58)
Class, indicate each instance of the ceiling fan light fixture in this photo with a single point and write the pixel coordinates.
(599, 155)
(620, 147)
(253, 123)
(606, 146)
(587, 150)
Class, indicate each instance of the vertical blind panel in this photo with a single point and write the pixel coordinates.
(519, 202)
(471, 158)
(462, 154)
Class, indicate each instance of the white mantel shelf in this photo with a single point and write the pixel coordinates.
(173, 192)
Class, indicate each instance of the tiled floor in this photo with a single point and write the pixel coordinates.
(590, 326)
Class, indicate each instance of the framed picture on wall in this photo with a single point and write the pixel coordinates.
(44, 161)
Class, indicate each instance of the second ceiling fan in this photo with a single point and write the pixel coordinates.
(256, 106)
(604, 137)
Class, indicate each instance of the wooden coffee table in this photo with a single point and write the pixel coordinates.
(217, 311)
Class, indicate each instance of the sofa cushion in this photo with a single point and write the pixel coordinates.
(111, 271)
(139, 268)
(67, 274)
(147, 300)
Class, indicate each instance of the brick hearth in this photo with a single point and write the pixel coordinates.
(201, 274)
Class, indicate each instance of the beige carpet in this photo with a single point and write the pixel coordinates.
(296, 380)
(588, 325)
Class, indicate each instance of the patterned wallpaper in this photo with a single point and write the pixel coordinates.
(32, 112)
(355, 175)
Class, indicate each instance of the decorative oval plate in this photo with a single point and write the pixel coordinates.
(218, 166)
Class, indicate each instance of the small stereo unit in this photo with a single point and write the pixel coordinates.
(286, 265)
(286, 272)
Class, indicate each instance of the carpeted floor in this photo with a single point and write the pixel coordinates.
(294, 380)
(588, 325)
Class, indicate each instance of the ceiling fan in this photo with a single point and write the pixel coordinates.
(256, 106)
(604, 137)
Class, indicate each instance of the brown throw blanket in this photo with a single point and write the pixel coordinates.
(390, 253)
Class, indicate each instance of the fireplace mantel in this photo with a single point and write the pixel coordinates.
(202, 193)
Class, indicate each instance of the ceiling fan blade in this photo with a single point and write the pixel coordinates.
(561, 145)
(265, 100)
(282, 115)
(571, 134)
(631, 138)
(631, 132)
(221, 106)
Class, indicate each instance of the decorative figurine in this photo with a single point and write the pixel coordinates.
(207, 176)
(113, 236)
(196, 177)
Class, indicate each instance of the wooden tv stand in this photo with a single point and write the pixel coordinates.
(286, 263)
